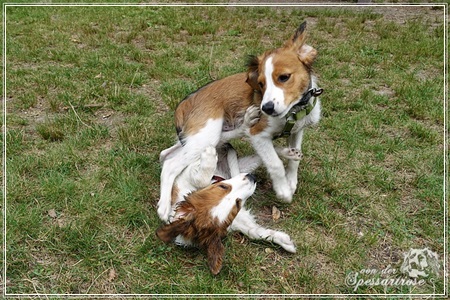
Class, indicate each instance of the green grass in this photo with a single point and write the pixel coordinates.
(90, 99)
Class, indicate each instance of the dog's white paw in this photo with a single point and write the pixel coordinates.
(252, 116)
(282, 189)
(285, 195)
(284, 241)
(164, 210)
(291, 153)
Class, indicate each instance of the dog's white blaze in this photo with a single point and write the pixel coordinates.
(272, 93)
(224, 208)
(242, 188)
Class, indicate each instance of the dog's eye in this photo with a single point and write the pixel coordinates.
(261, 85)
(284, 77)
(223, 186)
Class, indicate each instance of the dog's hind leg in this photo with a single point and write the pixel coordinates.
(201, 172)
(171, 168)
(246, 164)
(209, 135)
(245, 223)
(169, 151)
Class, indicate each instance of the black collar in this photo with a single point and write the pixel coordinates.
(304, 100)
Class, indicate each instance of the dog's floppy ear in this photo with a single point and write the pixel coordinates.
(234, 211)
(253, 73)
(184, 217)
(215, 251)
(169, 232)
(238, 205)
(213, 243)
(306, 53)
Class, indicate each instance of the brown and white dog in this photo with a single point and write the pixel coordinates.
(277, 82)
(203, 212)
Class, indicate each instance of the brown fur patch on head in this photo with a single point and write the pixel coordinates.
(306, 54)
(293, 60)
(193, 220)
(285, 62)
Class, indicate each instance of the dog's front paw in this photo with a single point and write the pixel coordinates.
(252, 116)
(284, 241)
(282, 189)
(285, 195)
(290, 153)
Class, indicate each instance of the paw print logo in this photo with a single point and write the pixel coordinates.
(420, 263)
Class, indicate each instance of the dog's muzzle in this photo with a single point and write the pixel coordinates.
(268, 108)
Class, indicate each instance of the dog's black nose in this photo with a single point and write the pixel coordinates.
(268, 108)
(251, 177)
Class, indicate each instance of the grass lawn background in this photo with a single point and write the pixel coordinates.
(90, 95)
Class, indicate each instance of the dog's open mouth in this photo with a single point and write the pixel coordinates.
(217, 179)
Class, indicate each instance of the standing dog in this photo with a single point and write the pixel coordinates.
(281, 83)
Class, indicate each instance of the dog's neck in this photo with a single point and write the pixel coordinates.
(300, 110)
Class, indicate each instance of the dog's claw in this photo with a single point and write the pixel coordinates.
(284, 241)
(252, 116)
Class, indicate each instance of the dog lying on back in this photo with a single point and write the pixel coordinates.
(202, 219)
(280, 83)
(205, 206)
